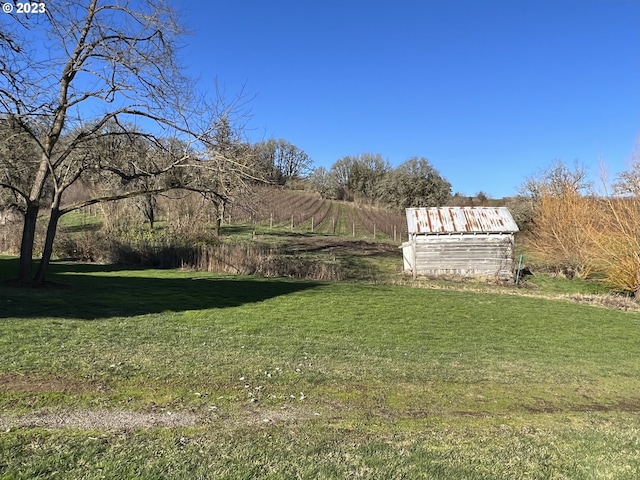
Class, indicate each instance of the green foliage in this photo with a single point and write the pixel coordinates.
(553, 284)
(369, 177)
(416, 183)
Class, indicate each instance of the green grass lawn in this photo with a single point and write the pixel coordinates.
(117, 373)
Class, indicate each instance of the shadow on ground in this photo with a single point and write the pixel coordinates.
(89, 291)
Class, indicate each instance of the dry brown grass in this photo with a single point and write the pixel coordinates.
(263, 260)
(603, 300)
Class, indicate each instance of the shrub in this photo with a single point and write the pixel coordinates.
(615, 245)
(561, 232)
(580, 233)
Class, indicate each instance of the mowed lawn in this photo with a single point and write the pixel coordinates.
(115, 373)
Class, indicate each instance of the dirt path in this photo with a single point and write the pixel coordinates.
(128, 420)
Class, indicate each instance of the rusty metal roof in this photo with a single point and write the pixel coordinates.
(460, 220)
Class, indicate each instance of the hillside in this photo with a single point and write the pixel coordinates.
(302, 211)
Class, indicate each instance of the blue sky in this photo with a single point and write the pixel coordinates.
(489, 91)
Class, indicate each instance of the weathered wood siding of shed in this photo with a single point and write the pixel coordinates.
(480, 255)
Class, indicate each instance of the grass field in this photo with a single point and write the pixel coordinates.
(117, 373)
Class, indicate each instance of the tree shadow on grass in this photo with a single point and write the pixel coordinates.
(88, 292)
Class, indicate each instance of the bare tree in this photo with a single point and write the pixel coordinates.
(228, 157)
(628, 182)
(558, 179)
(282, 160)
(103, 66)
(341, 172)
(18, 158)
(324, 182)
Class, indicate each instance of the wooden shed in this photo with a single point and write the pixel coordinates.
(462, 241)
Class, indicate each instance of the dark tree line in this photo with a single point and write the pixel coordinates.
(370, 178)
(281, 161)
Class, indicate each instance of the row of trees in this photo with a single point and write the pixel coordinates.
(370, 178)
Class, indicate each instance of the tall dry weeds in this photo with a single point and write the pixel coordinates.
(562, 229)
(263, 260)
(588, 234)
(615, 244)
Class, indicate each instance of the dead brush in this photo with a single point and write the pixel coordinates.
(618, 302)
(262, 260)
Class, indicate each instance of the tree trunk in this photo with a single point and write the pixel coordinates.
(30, 221)
(48, 247)
(220, 209)
(149, 206)
(26, 244)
